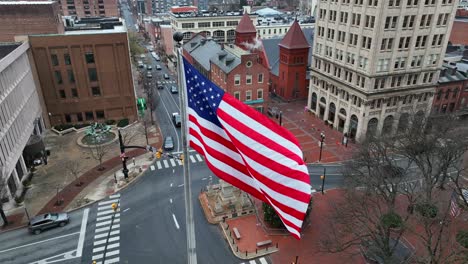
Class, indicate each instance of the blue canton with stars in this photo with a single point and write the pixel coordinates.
(203, 96)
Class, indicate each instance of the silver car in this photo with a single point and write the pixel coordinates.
(47, 221)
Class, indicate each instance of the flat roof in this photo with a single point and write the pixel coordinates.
(26, 2)
(84, 31)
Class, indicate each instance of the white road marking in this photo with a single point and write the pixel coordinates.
(53, 259)
(179, 162)
(170, 200)
(84, 221)
(99, 219)
(175, 221)
(108, 202)
(252, 262)
(112, 239)
(39, 242)
(166, 165)
(126, 210)
(204, 179)
(111, 246)
(112, 253)
(158, 163)
(263, 261)
(98, 230)
(110, 211)
(192, 159)
(152, 167)
(171, 184)
(117, 195)
(101, 208)
(172, 162)
(110, 261)
(103, 223)
(199, 158)
(180, 185)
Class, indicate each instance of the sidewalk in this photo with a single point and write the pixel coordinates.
(96, 184)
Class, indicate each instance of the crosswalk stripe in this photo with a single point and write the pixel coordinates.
(110, 211)
(99, 242)
(152, 167)
(263, 261)
(179, 161)
(107, 206)
(110, 246)
(114, 260)
(117, 195)
(199, 158)
(166, 165)
(108, 202)
(102, 229)
(158, 163)
(112, 239)
(172, 162)
(112, 253)
(112, 233)
(192, 159)
(252, 262)
(98, 256)
(99, 219)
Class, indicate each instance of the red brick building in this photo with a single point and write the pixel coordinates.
(34, 17)
(450, 95)
(459, 33)
(234, 68)
(90, 8)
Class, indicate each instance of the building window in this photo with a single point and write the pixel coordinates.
(248, 79)
(89, 58)
(62, 94)
(260, 78)
(391, 22)
(237, 79)
(58, 77)
(54, 60)
(259, 94)
(96, 91)
(89, 116)
(67, 59)
(67, 118)
(218, 24)
(237, 95)
(100, 114)
(92, 73)
(232, 23)
(74, 93)
(79, 117)
(71, 76)
(204, 24)
(188, 25)
(248, 95)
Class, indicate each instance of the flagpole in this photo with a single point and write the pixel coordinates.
(191, 245)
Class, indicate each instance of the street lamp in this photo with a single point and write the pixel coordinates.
(322, 177)
(322, 138)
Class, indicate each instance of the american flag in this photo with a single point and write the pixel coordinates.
(246, 149)
(454, 207)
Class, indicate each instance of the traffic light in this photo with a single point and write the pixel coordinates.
(114, 206)
(181, 157)
(158, 155)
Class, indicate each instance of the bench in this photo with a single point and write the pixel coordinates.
(263, 243)
(236, 233)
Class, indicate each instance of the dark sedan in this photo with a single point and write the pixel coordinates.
(47, 221)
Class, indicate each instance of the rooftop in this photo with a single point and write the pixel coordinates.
(7, 48)
(94, 25)
(246, 25)
(26, 2)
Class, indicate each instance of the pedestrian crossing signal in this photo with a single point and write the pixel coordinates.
(181, 157)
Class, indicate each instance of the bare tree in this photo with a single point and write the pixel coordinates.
(2, 192)
(98, 152)
(74, 167)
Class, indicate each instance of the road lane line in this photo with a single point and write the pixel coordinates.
(84, 222)
(170, 200)
(108, 202)
(158, 163)
(152, 167)
(180, 185)
(125, 210)
(175, 221)
(171, 184)
(192, 159)
(199, 158)
(39, 242)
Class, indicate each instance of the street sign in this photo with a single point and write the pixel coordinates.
(141, 103)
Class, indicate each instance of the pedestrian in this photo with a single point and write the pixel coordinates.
(345, 141)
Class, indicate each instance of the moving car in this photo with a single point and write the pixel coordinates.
(158, 67)
(140, 64)
(174, 89)
(47, 221)
(149, 67)
(177, 119)
(166, 76)
(168, 143)
(160, 86)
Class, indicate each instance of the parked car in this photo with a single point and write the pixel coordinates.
(174, 89)
(140, 64)
(47, 221)
(166, 76)
(158, 67)
(149, 67)
(177, 119)
(168, 143)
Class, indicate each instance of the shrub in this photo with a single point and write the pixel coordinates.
(426, 210)
(391, 220)
(110, 122)
(270, 216)
(462, 238)
(123, 122)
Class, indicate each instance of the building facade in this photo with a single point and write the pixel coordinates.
(450, 96)
(90, 8)
(85, 75)
(33, 17)
(376, 63)
(20, 117)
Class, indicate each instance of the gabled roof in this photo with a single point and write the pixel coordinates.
(295, 38)
(246, 25)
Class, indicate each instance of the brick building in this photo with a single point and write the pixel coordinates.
(85, 74)
(34, 17)
(90, 8)
(450, 95)
(459, 33)
(232, 67)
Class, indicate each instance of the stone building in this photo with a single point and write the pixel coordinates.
(376, 63)
(20, 117)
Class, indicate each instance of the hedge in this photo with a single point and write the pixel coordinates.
(123, 122)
